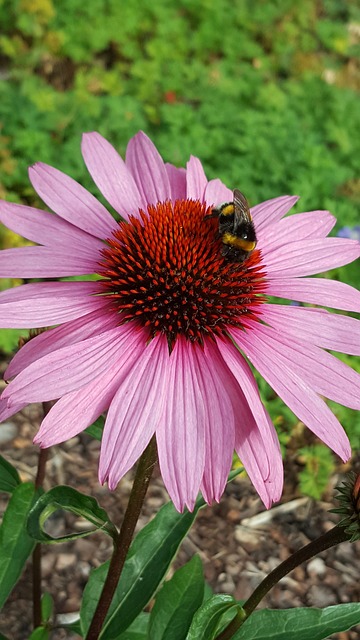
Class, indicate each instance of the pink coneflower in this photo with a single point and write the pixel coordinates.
(162, 339)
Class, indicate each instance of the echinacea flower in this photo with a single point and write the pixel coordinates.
(162, 339)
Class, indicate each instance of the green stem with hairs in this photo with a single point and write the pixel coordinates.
(36, 555)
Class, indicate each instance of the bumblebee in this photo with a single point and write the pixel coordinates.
(236, 228)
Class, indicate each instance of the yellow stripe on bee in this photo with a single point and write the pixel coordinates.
(228, 209)
(238, 243)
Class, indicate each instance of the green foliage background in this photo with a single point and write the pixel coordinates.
(265, 92)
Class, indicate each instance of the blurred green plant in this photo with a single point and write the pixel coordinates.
(319, 464)
(264, 93)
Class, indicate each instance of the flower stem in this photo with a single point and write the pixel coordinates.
(122, 542)
(36, 581)
(327, 540)
(36, 555)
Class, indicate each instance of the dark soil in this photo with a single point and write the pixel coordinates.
(237, 541)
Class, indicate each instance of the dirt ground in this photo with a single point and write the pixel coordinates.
(237, 541)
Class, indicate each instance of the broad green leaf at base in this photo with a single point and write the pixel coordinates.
(15, 543)
(206, 620)
(299, 624)
(138, 628)
(9, 477)
(67, 499)
(147, 562)
(40, 633)
(177, 602)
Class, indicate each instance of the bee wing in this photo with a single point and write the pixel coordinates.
(241, 206)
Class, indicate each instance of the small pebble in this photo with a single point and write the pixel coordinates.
(316, 567)
(8, 431)
(65, 560)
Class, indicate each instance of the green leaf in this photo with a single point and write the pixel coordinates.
(138, 629)
(206, 620)
(73, 627)
(47, 606)
(96, 429)
(147, 562)
(15, 543)
(177, 602)
(292, 624)
(9, 338)
(40, 633)
(68, 499)
(3, 637)
(9, 477)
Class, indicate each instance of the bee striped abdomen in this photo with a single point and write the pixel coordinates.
(238, 243)
(236, 228)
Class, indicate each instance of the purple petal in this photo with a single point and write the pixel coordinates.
(44, 228)
(135, 411)
(181, 433)
(6, 411)
(45, 262)
(270, 211)
(75, 411)
(148, 169)
(325, 373)
(177, 178)
(315, 224)
(319, 327)
(69, 333)
(70, 367)
(217, 193)
(315, 256)
(219, 426)
(321, 291)
(256, 440)
(252, 450)
(196, 180)
(294, 391)
(71, 201)
(111, 175)
(47, 303)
